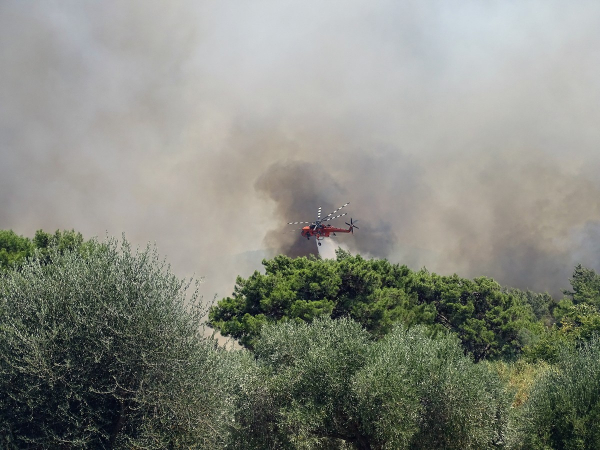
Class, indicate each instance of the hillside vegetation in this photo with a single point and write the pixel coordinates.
(103, 347)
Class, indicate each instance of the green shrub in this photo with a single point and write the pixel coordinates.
(329, 385)
(563, 410)
(102, 349)
(419, 392)
(299, 395)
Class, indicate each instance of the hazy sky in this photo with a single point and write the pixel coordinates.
(465, 135)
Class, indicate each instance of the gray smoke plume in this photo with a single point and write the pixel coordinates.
(465, 135)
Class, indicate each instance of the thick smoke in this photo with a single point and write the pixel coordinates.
(464, 135)
(296, 188)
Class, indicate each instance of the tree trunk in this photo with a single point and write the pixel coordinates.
(118, 424)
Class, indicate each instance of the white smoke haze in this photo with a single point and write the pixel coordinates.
(465, 135)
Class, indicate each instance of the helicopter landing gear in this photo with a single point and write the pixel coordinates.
(319, 243)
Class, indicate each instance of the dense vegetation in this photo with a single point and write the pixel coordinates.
(490, 321)
(328, 383)
(15, 249)
(101, 346)
(102, 349)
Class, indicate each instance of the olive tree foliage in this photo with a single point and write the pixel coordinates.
(420, 392)
(328, 384)
(563, 409)
(299, 395)
(103, 349)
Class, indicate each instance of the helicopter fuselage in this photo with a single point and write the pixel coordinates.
(319, 230)
(322, 231)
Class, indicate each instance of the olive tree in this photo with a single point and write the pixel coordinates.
(103, 349)
(421, 392)
(328, 384)
(563, 409)
(298, 395)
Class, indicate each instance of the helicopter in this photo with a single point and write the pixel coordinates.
(320, 231)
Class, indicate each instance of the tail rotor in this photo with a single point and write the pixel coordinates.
(352, 226)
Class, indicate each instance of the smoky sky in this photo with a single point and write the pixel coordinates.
(464, 134)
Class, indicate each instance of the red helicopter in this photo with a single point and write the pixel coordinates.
(320, 230)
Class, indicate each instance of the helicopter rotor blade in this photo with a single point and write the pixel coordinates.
(328, 216)
(340, 215)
